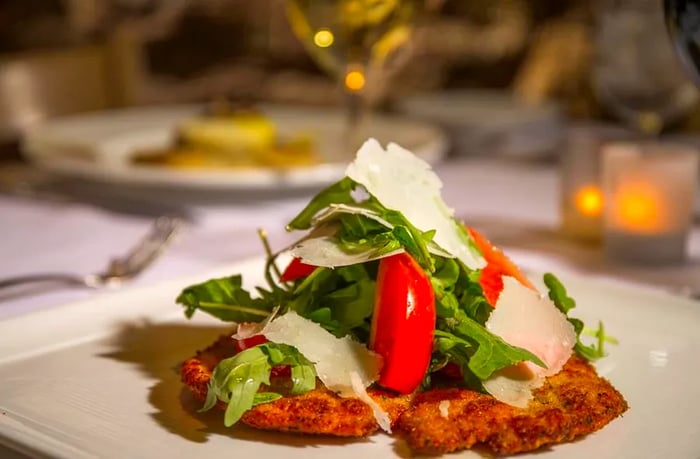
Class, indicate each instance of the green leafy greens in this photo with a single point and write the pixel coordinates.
(225, 299)
(236, 380)
(561, 299)
(341, 300)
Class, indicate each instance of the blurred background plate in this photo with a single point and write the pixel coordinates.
(98, 147)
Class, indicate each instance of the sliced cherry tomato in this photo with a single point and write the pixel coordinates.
(497, 266)
(247, 343)
(296, 269)
(491, 281)
(403, 323)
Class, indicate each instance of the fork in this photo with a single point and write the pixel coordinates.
(119, 269)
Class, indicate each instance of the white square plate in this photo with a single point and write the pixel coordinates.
(99, 379)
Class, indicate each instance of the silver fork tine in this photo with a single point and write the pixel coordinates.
(119, 269)
(66, 279)
(147, 250)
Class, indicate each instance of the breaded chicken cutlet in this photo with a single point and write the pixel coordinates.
(573, 403)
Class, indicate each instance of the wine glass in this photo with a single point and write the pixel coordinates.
(636, 72)
(359, 42)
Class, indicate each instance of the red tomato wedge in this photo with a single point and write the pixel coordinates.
(403, 323)
(296, 270)
(497, 266)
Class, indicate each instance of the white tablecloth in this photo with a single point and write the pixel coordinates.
(515, 203)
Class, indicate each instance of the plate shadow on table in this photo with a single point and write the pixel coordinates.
(157, 350)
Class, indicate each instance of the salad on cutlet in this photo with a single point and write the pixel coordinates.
(386, 288)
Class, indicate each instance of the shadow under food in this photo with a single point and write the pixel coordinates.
(157, 350)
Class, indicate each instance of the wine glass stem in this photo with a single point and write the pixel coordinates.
(355, 117)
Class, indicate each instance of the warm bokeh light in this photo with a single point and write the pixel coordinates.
(639, 207)
(323, 38)
(355, 80)
(589, 201)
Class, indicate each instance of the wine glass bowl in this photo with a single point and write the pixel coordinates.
(359, 42)
(636, 74)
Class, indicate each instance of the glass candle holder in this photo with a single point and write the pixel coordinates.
(648, 190)
(581, 195)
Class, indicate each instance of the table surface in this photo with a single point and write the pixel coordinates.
(515, 203)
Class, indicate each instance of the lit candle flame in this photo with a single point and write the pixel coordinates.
(640, 207)
(589, 201)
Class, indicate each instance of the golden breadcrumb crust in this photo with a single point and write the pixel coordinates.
(573, 403)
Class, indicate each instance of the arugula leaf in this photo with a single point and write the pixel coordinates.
(443, 280)
(359, 234)
(557, 293)
(303, 371)
(226, 299)
(473, 301)
(457, 287)
(340, 300)
(355, 227)
(366, 227)
(306, 294)
(458, 351)
(323, 317)
(338, 193)
(563, 302)
(353, 304)
(375, 246)
(597, 350)
(236, 380)
(446, 274)
(414, 240)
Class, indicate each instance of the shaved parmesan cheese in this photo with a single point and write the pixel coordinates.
(343, 365)
(335, 209)
(335, 359)
(401, 181)
(247, 329)
(513, 385)
(320, 248)
(444, 408)
(524, 318)
(381, 416)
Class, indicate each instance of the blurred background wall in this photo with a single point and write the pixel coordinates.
(65, 56)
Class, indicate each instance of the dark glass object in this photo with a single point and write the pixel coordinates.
(683, 23)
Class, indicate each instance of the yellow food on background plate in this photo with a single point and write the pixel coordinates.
(232, 140)
(234, 132)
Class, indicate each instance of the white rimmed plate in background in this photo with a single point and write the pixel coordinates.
(97, 147)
